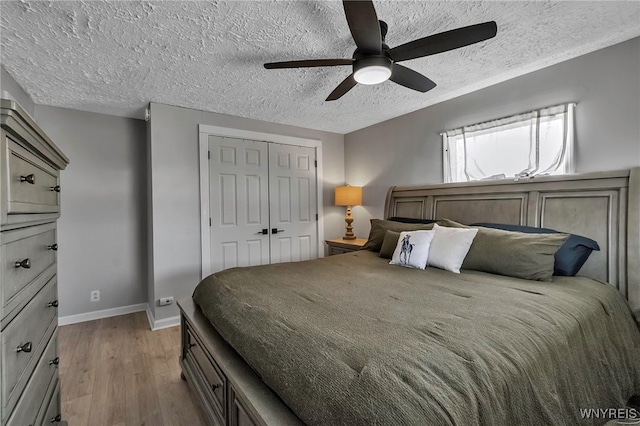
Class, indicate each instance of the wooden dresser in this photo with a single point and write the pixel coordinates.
(30, 167)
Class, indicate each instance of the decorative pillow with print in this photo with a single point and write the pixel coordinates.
(412, 249)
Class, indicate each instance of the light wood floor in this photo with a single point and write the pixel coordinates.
(115, 371)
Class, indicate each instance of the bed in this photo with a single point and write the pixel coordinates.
(330, 341)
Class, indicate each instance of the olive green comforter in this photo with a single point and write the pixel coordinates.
(353, 340)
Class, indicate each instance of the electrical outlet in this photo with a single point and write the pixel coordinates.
(164, 301)
(95, 296)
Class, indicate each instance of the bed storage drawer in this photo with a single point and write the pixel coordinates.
(23, 341)
(214, 378)
(246, 400)
(239, 415)
(33, 185)
(30, 403)
(25, 254)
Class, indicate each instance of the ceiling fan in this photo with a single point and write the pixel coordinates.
(374, 62)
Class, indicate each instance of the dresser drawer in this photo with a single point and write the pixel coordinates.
(53, 415)
(23, 341)
(34, 249)
(31, 401)
(215, 382)
(33, 185)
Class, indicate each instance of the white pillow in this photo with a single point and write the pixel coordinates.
(450, 246)
(412, 249)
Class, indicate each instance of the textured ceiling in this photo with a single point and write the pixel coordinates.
(114, 57)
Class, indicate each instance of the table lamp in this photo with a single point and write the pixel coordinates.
(348, 196)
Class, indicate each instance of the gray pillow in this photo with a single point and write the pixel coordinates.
(389, 244)
(570, 256)
(379, 227)
(514, 254)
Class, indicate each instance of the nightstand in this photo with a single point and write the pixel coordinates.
(339, 246)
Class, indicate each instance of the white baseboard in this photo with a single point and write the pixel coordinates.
(105, 313)
(163, 323)
(150, 318)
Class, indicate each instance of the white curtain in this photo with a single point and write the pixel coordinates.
(535, 143)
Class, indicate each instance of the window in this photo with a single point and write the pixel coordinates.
(535, 143)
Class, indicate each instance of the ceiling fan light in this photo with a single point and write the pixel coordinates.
(372, 69)
(374, 74)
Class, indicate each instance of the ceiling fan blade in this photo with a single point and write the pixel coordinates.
(346, 85)
(409, 78)
(443, 42)
(364, 25)
(308, 63)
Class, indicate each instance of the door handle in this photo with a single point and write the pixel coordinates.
(276, 230)
(264, 231)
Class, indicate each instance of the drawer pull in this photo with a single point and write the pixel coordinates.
(56, 419)
(55, 188)
(24, 348)
(216, 386)
(26, 264)
(53, 304)
(192, 345)
(29, 179)
(53, 247)
(54, 361)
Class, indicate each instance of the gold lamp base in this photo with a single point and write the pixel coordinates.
(349, 235)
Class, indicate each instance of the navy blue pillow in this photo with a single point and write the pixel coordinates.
(411, 220)
(570, 256)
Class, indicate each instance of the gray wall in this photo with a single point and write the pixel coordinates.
(176, 197)
(407, 150)
(101, 233)
(9, 89)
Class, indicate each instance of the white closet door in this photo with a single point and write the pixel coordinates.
(239, 202)
(292, 193)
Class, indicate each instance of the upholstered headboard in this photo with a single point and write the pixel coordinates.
(603, 206)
